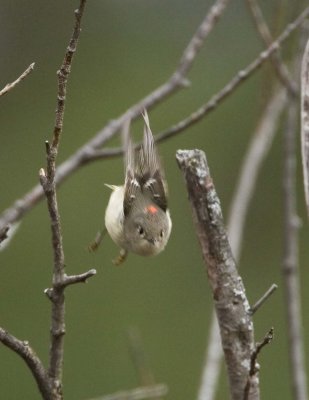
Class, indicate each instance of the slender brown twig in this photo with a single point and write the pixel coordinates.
(230, 301)
(255, 155)
(10, 86)
(254, 368)
(89, 152)
(47, 179)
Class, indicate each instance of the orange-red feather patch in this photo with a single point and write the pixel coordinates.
(152, 209)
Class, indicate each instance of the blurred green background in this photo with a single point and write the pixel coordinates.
(127, 49)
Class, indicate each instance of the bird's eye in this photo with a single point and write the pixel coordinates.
(140, 230)
(161, 234)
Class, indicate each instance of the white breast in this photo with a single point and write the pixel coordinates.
(114, 215)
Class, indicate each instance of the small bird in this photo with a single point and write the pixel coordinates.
(137, 216)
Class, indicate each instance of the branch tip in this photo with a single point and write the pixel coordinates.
(262, 300)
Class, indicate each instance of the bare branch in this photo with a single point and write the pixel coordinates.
(305, 122)
(254, 367)
(147, 392)
(231, 304)
(240, 77)
(279, 67)
(262, 300)
(81, 278)
(290, 263)
(47, 179)
(10, 86)
(212, 364)
(257, 151)
(23, 349)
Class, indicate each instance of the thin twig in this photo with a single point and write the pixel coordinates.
(254, 367)
(230, 300)
(262, 300)
(255, 155)
(10, 86)
(305, 122)
(254, 158)
(280, 68)
(290, 264)
(47, 180)
(147, 392)
(71, 280)
(23, 349)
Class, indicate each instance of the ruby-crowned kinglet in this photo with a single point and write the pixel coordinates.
(137, 217)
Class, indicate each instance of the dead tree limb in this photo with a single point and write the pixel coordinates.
(231, 304)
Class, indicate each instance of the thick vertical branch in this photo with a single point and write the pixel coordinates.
(231, 305)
